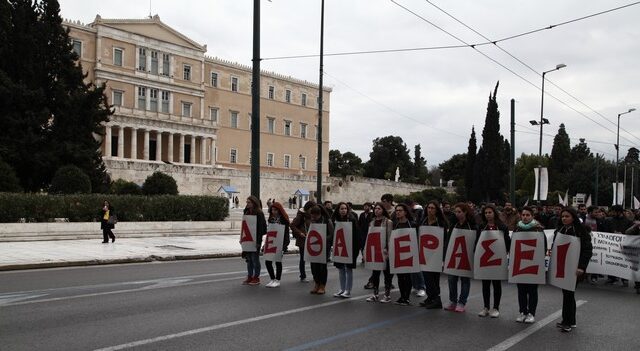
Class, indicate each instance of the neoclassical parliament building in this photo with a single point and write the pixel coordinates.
(179, 111)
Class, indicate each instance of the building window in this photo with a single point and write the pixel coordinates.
(234, 119)
(77, 48)
(213, 114)
(304, 99)
(233, 156)
(142, 59)
(287, 95)
(303, 130)
(269, 159)
(271, 92)
(287, 128)
(186, 109)
(234, 84)
(153, 100)
(117, 57)
(214, 79)
(142, 98)
(186, 72)
(117, 98)
(287, 161)
(165, 101)
(271, 124)
(303, 162)
(154, 62)
(165, 64)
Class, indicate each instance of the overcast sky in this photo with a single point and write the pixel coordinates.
(432, 97)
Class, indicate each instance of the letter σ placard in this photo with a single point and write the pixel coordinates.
(490, 258)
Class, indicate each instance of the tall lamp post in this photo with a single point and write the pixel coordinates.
(615, 193)
(542, 122)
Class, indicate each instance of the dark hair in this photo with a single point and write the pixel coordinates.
(527, 208)
(315, 210)
(617, 208)
(467, 211)
(442, 219)
(407, 211)
(257, 204)
(590, 209)
(386, 198)
(336, 213)
(577, 225)
(384, 212)
(496, 218)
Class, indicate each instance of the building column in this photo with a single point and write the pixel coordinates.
(181, 151)
(203, 150)
(158, 145)
(213, 151)
(134, 143)
(193, 149)
(170, 148)
(107, 141)
(145, 147)
(121, 142)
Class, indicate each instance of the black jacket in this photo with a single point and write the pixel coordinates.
(505, 232)
(104, 224)
(261, 224)
(287, 236)
(584, 234)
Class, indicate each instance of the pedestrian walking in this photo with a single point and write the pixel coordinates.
(464, 220)
(299, 230)
(403, 220)
(278, 215)
(345, 270)
(108, 222)
(491, 221)
(381, 219)
(319, 270)
(433, 216)
(254, 207)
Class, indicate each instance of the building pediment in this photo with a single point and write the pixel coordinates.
(150, 27)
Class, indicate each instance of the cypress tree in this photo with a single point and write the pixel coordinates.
(560, 160)
(492, 185)
(469, 181)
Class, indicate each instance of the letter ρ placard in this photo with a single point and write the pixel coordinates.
(430, 247)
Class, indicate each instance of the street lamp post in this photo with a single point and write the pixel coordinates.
(542, 122)
(615, 192)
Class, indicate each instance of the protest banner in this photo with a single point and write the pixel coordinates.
(248, 233)
(615, 254)
(403, 251)
(459, 258)
(490, 258)
(375, 244)
(430, 248)
(563, 263)
(315, 246)
(527, 258)
(273, 242)
(343, 243)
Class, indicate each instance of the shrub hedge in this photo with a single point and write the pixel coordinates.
(70, 180)
(15, 207)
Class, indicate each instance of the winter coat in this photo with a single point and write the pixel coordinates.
(586, 247)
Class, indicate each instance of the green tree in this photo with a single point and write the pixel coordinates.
(480, 171)
(495, 163)
(580, 152)
(160, 184)
(469, 182)
(454, 169)
(632, 157)
(50, 115)
(420, 165)
(387, 154)
(70, 180)
(560, 160)
(123, 187)
(9, 183)
(525, 178)
(342, 165)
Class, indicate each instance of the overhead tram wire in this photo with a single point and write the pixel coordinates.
(531, 68)
(391, 109)
(503, 66)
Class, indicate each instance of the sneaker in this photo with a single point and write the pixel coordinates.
(530, 319)
(385, 299)
(565, 328)
(459, 308)
(451, 307)
(269, 284)
(304, 280)
(421, 293)
(494, 313)
(369, 285)
(521, 317)
(346, 294)
(246, 281)
(434, 304)
(483, 313)
(402, 302)
(276, 283)
(255, 281)
(339, 293)
(561, 324)
(373, 298)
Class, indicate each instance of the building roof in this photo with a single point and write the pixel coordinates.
(229, 189)
(301, 192)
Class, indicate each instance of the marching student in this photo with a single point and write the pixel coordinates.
(433, 216)
(278, 215)
(382, 219)
(464, 220)
(254, 207)
(403, 220)
(319, 270)
(491, 221)
(300, 234)
(571, 226)
(345, 270)
(528, 293)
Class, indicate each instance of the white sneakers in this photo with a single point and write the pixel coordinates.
(494, 313)
(421, 293)
(343, 293)
(274, 283)
(521, 318)
(529, 319)
(339, 293)
(483, 313)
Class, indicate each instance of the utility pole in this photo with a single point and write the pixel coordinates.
(255, 103)
(320, 102)
(512, 159)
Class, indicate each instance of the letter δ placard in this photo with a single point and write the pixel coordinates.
(490, 259)
(343, 243)
(526, 258)
(374, 257)
(431, 248)
(315, 246)
(459, 258)
(403, 251)
(563, 264)
(248, 233)
(273, 242)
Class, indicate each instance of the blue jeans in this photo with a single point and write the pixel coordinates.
(346, 278)
(253, 264)
(465, 286)
(417, 281)
(303, 274)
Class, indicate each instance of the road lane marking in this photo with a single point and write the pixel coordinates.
(226, 325)
(507, 344)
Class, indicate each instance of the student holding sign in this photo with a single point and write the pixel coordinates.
(571, 226)
(346, 245)
(403, 220)
(491, 221)
(254, 226)
(527, 293)
(465, 221)
(379, 232)
(433, 217)
(317, 246)
(277, 215)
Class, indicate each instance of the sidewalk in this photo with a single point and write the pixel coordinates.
(60, 253)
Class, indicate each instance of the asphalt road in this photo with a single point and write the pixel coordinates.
(201, 305)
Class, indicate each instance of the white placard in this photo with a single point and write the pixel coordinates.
(273, 242)
(490, 258)
(459, 258)
(563, 263)
(315, 245)
(343, 243)
(526, 258)
(403, 251)
(374, 257)
(248, 233)
(430, 248)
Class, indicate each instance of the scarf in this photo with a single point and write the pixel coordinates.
(527, 226)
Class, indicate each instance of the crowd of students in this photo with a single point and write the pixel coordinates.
(390, 216)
